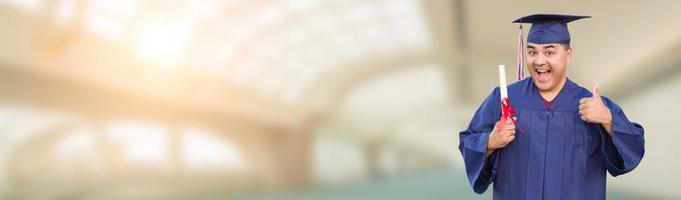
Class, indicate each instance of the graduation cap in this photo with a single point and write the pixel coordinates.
(549, 28)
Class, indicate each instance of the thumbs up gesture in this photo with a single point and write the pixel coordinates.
(593, 110)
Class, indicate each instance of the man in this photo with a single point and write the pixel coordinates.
(570, 136)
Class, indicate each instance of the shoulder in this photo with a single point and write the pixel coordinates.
(611, 104)
(521, 84)
(582, 92)
(521, 87)
(494, 96)
(577, 90)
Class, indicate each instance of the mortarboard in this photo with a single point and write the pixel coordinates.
(549, 28)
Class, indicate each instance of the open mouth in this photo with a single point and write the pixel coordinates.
(543, 74)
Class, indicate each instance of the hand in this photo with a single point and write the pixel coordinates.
(593, 110)
(501, 136)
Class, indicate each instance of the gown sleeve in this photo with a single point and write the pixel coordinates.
(481, 171)
(624, 149)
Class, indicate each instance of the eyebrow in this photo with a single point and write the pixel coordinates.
(543, 47)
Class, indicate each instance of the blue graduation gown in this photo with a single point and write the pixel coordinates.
(559, 156)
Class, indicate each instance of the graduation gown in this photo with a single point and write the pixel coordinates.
(558, 156)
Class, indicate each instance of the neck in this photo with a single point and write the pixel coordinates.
(551, 94)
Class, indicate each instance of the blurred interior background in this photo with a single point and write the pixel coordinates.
(298, 99)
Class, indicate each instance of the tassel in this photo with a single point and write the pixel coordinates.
(520, 67)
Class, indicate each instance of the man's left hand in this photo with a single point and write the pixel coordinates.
(593, 110)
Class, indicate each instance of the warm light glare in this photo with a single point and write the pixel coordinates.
(162, 43)
(140, 143)
(111, 19)
(78, 143)
(30, 6)
(66, 11)
(202, 150)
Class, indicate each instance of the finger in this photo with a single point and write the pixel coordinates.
(510, 138)
(595, 91)
(503, 121)
(507, 133)
(582, 106)
(583, 118)
(583, 100)
(502, 118)
(510, 127)
(509, 121)
(591, 103)
(511, 131)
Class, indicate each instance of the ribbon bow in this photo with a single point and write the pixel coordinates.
(507, 111)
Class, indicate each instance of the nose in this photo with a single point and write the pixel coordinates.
(539, 60)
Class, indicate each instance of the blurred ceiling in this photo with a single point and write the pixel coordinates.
(295, 63)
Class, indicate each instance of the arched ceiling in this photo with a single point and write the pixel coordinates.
(292, 54)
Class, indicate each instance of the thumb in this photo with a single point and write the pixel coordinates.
(595, 91)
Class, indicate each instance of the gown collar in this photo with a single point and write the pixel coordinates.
(558, 100)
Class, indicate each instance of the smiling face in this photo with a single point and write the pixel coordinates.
(547, 64)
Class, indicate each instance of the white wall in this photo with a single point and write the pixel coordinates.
(657, 109)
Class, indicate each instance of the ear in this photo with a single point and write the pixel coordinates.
(568, 54)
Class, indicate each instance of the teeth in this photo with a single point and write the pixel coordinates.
(542, 70)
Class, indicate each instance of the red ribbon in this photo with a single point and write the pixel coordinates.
(507, 111)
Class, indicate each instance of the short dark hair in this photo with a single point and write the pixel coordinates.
(565, 46)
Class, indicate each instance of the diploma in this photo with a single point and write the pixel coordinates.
(506, 110)
(502, 82)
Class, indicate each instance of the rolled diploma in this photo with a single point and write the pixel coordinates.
(502, 82)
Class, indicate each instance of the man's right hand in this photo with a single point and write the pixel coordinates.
(501, 135)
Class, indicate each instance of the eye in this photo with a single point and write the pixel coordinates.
(532, 53)
(549, 53)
